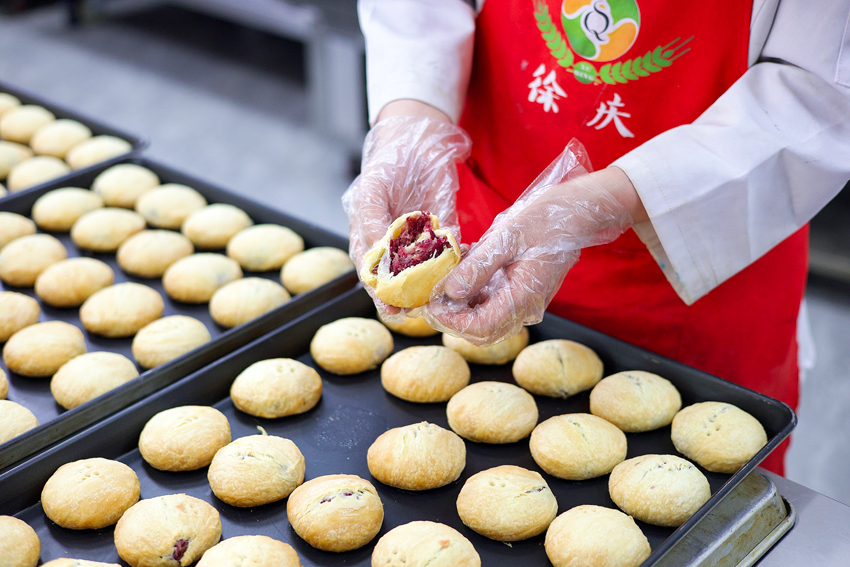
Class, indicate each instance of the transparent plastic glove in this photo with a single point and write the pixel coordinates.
(509, 277)
(408, 165)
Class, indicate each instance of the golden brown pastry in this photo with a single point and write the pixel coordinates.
(250, 550)
(19, 544)
(244, 300)
(121, 185)
(195, 278)
(492, 412)
(412, 327)
(15, 419)
(577, 446)
(635, 401)
(23, 259)
(719, 436)
(41, 349)
(35, 171)
(16, 312)
(96, 150)
(499, 353)
(70, 282)
(507, 503)
(405, 265)
(557, 368)
(663, 490)
(149, 253)
(256, 470)
(424, 544)
(103, 230)
(11, 154)
(264, 247)
(8, 102)
(165, 339)
(90, 494)
(351, 345)
(276, 388)
(21, 122)
(121, 310)
(594, 536)
(184, 438)
(12, 226)
(58, 210)
(420, 456)
(425, 374)
(337, 512)
(211, 227)
(168, 205)
(90, 375)
(58, 137)
(166, 531)
(4, 385)
(313, 268)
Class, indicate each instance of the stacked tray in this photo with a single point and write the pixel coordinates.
(34, 393)
(335, 435)
(96, 127)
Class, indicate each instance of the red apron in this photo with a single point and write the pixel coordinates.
(615, 73)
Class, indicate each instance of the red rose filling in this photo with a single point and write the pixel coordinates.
(180, 547)
(406, 251)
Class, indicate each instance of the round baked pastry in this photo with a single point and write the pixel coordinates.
(19, 544)
(20, 123)
(276, 388)
(256, 470)
(90, 494)
(4, 385)
(149, 253)
(420, 456)
(165, 339)
(499, 353)
(243, 300)
(162, 531)
(594, 536)
(90, 375)
(35, 171)
(11, 154)
(264, 247)
(557, 368)
(121, 310)
(121, 185)
(313, 268)
(23, 259)
(213, 226)
(68, 562)
(14, 420)
(663, 490)
(96, 150)
(412, 327)
(507, 503)
(407, 263)
(167, 206)
(8, 102)
(58, 137)
(492, 412)
(351, 345)
(184, 438)
(577, 446)
(338, 512)
(250, 550)
(13, 226)
(635, 401)
(58, 210)
(425, 374)
(424, 544)
(719, 436)
(16, 312)
(103, 230)
(70, 282)
(41, 349)
(195, 278)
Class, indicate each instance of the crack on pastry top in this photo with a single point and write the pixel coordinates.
(416, 243)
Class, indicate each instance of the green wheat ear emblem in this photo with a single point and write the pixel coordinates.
(620, 72)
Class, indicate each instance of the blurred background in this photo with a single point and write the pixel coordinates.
(267, 98)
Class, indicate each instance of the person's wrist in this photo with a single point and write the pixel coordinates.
(409, 107)
(618, 184)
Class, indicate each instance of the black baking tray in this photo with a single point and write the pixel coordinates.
(34, 393)
(97, 128)
(335, 435)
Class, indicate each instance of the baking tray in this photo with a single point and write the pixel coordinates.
(97, 128)
(353, 411)
(34, 393)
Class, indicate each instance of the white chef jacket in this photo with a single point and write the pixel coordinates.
(720, 192)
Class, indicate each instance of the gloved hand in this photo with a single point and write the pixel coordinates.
(509, 277)
(408, 165)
